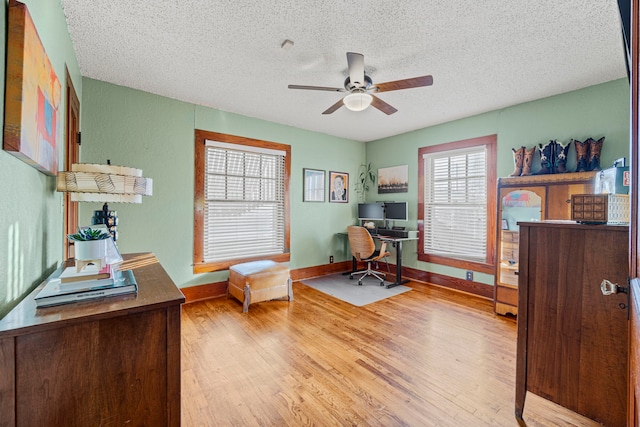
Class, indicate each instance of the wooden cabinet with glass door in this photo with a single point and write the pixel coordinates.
(516, 204)
(529, 198)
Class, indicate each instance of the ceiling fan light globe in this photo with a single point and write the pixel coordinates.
(357, 101)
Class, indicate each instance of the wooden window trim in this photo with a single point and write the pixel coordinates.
(201, 136)
(490, 141)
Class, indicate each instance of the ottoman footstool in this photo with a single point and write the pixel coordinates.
(258, 281)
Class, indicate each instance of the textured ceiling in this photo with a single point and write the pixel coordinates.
(483, 55)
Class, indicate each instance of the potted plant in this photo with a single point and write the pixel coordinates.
(366, 178)
(89, 243)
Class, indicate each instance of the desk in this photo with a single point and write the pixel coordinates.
(396, 242)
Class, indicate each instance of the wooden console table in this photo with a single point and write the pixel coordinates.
(112, 361)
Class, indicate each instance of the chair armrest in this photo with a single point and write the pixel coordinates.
(383, 247)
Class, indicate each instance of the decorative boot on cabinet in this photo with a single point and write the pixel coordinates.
(518, 158)
(582, 154)
(528, 161)
(561, 157)
(595, 148)
(546, 157)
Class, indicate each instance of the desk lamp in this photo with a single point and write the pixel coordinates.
(104, 183)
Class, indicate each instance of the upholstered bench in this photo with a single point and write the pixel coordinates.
(259, 281)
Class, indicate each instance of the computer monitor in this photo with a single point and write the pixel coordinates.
(398, 211)
(371, 211)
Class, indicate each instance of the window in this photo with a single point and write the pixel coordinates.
(458, 200)
(241, 201)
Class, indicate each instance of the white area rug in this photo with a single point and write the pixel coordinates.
(347, 290)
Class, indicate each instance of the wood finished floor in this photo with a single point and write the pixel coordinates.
(428, 357)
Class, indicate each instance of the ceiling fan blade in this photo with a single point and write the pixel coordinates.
(405, 84)
(330, 89)
(334, 107)
(356, 69)
(382, 106)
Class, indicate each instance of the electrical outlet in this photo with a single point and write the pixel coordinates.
(469, 275)
(331, 259)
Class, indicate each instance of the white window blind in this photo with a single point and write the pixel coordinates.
(244, 202)
(455, 208)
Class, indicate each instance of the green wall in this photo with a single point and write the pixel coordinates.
(596, 111)
(156, 134)
(30, 209)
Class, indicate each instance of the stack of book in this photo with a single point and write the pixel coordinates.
(72, 286)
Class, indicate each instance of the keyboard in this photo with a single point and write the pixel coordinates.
(392, 233)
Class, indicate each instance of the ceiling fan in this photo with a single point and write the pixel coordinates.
(360, 88)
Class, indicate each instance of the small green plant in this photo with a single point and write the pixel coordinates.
(88, 234)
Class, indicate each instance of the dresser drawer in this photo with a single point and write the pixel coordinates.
(507, 295)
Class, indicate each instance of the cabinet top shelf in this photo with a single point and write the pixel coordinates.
(573, 224)
(548, 178)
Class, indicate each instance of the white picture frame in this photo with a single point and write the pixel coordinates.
(313, 190)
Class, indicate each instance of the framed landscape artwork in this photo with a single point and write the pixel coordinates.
(32, 99)
(393, 180)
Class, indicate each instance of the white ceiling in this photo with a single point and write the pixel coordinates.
(483, 55)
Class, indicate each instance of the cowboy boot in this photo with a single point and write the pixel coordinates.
(546, 158)
(518, 157)
(561, 157)
(528, 161)
(595, 148)
(582, 154)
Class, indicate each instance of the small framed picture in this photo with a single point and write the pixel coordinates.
(339, 187)
(505, 224)
(313, 185)
(394, 179)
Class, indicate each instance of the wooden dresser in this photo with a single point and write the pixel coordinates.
(113, 361)
(572, 340)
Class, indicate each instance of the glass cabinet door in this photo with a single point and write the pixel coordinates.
(516, 205)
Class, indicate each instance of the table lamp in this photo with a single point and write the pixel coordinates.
(108, 183)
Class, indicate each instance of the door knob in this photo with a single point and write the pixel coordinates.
(609, 288)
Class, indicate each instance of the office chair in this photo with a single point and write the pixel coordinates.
(363, 248)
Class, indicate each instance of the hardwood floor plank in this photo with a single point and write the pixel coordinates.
(427, 357)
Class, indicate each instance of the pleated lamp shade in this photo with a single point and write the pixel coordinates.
(104, 183)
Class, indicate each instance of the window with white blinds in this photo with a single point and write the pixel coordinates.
(455, 203)
(244, 206)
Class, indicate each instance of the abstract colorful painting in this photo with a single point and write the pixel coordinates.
(32, 100)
